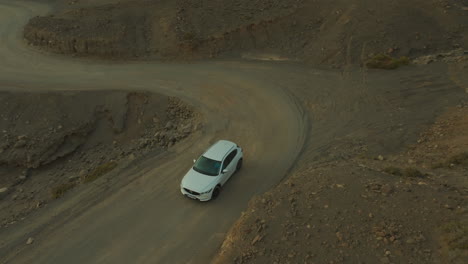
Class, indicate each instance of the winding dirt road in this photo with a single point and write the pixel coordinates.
(149, 221)
(265, 107)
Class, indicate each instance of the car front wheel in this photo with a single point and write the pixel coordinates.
(216, 192)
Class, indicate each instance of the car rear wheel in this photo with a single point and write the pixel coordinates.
(239, 165)
(215, 192)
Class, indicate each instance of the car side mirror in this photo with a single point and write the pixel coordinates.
(225, 170)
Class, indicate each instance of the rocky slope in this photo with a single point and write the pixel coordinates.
(319, 32)
(405, 208)
(54, 141)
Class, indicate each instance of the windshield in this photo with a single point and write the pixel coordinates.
(207, 166)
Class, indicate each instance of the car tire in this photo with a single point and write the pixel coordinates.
(215, 192)
(239, 165)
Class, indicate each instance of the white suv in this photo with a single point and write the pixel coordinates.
(211, 171)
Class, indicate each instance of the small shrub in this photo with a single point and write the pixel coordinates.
(407, 172)
(189, 36)
(99, 171)
(461, 158)
(412, 173)
(393, 170)
(456, 235)
(60, 190)
(438, 165)
(383, 61)
(458, 159)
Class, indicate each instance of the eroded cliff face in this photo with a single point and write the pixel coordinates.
(110, 31)
(320, 32)
(56, 140)
(39, 128)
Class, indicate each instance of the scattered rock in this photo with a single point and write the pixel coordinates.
(455, 55)
(256, 239)
(20, 143)
(386, 189)
(169, 125)
(424, 60)
(30, 241)
(144, 142)
(186, 128)
(3, 192)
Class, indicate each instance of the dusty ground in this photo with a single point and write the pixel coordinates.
(142, 210)
(319, 32)
(337, 138)
(58, 139)
(404, 208)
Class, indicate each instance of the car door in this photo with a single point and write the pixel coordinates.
(228, 165)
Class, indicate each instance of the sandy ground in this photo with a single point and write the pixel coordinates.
(286, 116)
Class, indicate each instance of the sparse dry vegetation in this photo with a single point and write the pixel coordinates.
(59, 190)
(349, 184)
(405, 172)
(458, 159)
(456, 235)
(99, 171)
(412, 173)
(454, 241)
(189, 36)
(393, 170)
(383, 61)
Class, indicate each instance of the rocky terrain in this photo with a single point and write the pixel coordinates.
(405, 208)
(358, 186)
(318, 32)
(54, 141)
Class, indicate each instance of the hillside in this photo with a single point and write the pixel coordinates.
(404, 208)
(318, 32)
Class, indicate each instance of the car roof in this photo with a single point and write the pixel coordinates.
(219, 150)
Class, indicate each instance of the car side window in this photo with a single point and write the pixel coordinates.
(229, 158)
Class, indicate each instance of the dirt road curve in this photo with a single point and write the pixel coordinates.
(264, 107)
(149, 221)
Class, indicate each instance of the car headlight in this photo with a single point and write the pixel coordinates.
(207, 191)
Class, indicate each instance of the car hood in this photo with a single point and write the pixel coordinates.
(196, 181)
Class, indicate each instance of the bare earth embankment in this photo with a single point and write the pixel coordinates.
(405, 208)
(319, 32)
(55, 141)
(362, 188)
